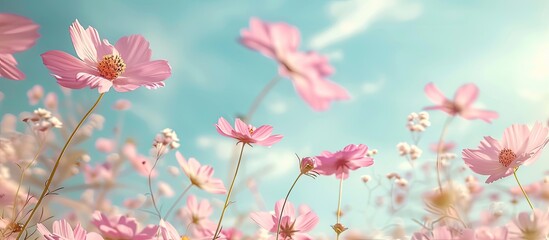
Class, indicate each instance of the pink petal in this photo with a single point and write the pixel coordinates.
(8, 68)
(148, 74)
(264, 220)
(484, 115)
(262, 132)
(134, 49)
(270, 140)
(103, 85)
(515, 136)
(85, 42)
(289, 210)
(63, 229)
(434, 94)
(224, 128)
(466, 95)
(306, 222)
(17, 33)
(65, 67)
(241, 127)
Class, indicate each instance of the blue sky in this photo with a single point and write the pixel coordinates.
(384, 52)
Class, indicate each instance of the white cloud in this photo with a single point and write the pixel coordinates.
(336, 55)
(266, 162)
(355, 16)
(369, 88)
(278, 107)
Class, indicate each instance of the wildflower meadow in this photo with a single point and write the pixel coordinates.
(279, 120)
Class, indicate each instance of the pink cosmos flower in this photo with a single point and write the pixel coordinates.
(529, 225)
(487, 233)
(121, 227)
(462, 104)
(519, 146)
(351, 157)
(17, 34)
(99, 173)
(168, 231)
(139, 162)
(308, 71)
(125, 66)
(247, 133)
(35, 94)
(196, 216)
(291, 226)
(231, 234)
(62, 230)
(201, 176)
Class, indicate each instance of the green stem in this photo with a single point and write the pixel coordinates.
(338, 213)
(522, 189)
(284, 205)
(177, 201)
(260, 98)
(54, 170)
(439, 147)
(218, 229)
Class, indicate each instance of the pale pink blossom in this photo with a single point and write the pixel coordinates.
(62, 230)
(201, 175)
(168, 231)
(50, 101)
(139, 162)
(247, 133)
(292, 226)
(308, 71)
(105, 145)
(520, 146)
(134, 203)
(445, 147)
(99, 173)
(488, 233)
(17, 34)
(35, 94)
(121, 227)
(125, 66)
(196, 215)
(462, 104)
(164, 189)
(529, 226)
(231, 234)
(352, 157)
(122, 105)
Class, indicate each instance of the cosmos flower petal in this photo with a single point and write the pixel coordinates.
(134, 48)
(8, 68)
(466, 95)
(434, 94)
(18, 33)
(65, 68)
(484, 115)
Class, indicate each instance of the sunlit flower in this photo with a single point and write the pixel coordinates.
(42, 120)
(247, 133)
(196, 215)
(17, 34)
(63, 230)
(520, 146)
(168, 231)
(201, 175)
(167, 139)
(125, 66)
(308, 71)
(462, 104)
(121, 227)
(529, 226)
(340, 163)
(292, 226)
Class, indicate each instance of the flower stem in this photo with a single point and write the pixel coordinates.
(284, 205)
(260, 98)
(158, 154)
(53, 171)
(439, 149)
(40, 148)
(218, 229)
(522, 189)
(177, 201)
(338, 213)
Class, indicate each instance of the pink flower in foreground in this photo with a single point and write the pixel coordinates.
(530, 226)
(201, 175)
(121, 227)
(519, 146)
(291, 226)
(62, 230)
(247, 133)
(351, 157)
(462, 104)
(196, 216)
(487, 233)
(17, 34)
(168, 231)
(125, 66)
(308, 71)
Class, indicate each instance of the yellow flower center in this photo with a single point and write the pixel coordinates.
(506, 157)
(111, 67)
